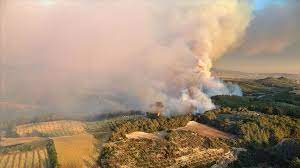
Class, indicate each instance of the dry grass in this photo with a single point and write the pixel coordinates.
(205, 130)
(53, 128)
(15, 141)
(76, 151)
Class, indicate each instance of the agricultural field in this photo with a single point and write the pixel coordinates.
(25, 153)
(51, 129)
(29, 159)
(16, 141)
(76, 151)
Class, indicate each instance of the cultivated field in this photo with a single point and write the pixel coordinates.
(76, 151)
(30, 159)
(51, 129)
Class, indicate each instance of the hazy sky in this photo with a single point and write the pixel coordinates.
(272, 41)
(110, 55)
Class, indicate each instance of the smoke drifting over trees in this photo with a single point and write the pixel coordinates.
(98, 56)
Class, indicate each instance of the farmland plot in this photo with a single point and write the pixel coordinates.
(36, 158)
(51, 129)
(76, 151)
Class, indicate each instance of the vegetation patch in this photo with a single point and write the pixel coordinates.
(251, 127)
(179, 148)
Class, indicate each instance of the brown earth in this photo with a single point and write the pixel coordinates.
(204, 130)
(138, 135)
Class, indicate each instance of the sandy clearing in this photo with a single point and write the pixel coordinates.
(205, 130)
(140, 135)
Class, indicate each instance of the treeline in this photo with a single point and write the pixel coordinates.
(107, 116)
(279, 104)
(253, 128)
(284, 155)
(52, 154)
(271, 140)
(121, 128)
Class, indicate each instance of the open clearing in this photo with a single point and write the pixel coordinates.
(53, 128)
(205, 130)
(16, 141)
(76, 151)
(193, 126)
(139, 135)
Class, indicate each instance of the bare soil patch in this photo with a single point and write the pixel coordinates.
(205, 130)
(139, 135)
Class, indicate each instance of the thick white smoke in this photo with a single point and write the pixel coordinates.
(109, 55)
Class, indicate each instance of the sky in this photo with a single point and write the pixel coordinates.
(271, 42)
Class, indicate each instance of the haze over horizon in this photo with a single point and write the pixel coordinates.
(272, 40)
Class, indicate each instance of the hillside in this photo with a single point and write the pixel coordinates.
(179, 148)
(165, 142)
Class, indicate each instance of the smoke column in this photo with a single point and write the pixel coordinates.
(110, 55)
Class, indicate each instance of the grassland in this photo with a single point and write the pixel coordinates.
(51, 129)
(76, 151)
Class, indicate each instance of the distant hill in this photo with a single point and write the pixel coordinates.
(229, 74)
(277, 82)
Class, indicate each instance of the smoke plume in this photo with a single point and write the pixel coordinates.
(110, 55)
